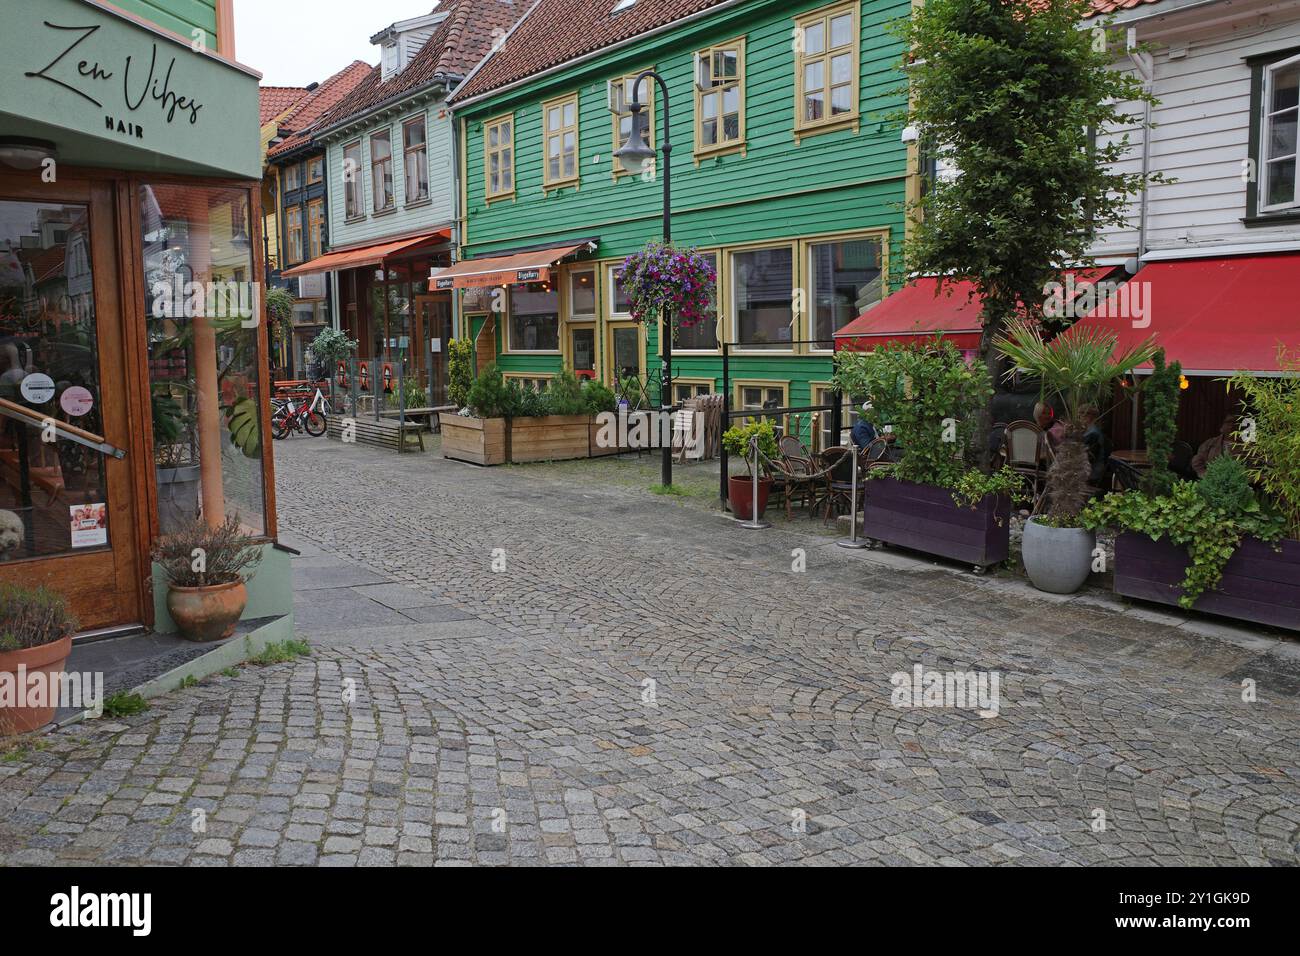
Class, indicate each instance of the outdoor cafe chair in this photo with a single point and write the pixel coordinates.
(1026, 451)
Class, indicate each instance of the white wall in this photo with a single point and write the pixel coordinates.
(1202, 128)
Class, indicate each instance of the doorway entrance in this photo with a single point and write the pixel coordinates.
(433, 331)
(70, 479)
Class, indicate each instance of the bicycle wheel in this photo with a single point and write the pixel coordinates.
(279, 427)
(315, 424)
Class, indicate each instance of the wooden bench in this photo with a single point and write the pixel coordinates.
(385, 433)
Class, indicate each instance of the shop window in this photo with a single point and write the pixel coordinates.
(720, 97)
(684, 390)
(203, 361)
(351, 181)
(381, 170)
(582, 295)
(560, 141)
(761, 396)
(417, 160)
(1281, 110)
(826, 68)
(620, 97)
(620, 303)
(534, 383)
(703, 335)
(534, 318)
(844, 280)
(315, 170)
(293, 222)
(315, 227)
(53, 494)
(826, 437)
(762, 283)
(499, 156)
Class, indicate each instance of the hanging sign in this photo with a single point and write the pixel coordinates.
(37, 388)
(76, 401)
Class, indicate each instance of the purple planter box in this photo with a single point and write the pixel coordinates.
(926, 518)
(1260, 584)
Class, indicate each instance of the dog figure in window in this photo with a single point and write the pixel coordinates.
(12, 534)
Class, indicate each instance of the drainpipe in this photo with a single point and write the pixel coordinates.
(1145, 67)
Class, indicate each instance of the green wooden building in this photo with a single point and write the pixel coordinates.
(785, 169)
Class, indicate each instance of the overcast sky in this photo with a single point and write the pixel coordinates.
(296, 42)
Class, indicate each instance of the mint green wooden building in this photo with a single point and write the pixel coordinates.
(785, 168)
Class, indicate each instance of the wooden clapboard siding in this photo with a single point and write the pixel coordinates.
(182, 17)
(780, 188)
(1202, 133)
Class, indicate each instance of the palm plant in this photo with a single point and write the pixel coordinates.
(1078, 366)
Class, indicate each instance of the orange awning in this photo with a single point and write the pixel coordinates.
(486, 271)
(364, 256)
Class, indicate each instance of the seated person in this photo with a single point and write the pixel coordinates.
(863, 433)
(1221, 444)
(1045, 418)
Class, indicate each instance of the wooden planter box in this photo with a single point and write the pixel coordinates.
(481, 441)
(551, 438)
(1260, 584)
(926, 518)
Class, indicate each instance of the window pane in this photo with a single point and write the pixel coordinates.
(709, 105)
(553, 146)
(841, 30)
(1281, 182)
(380, 147)
(507, 177)
(702, 335)
(49, 364)
(505, 132)
(1282, 134)
(569, 117)
(841, 68)
(814, 106)
(414, 134)
(553, 119)
(1286, 89)
(845, 280)
(200, 234)
(622, 301)
(553, 169)
(841, 100)
(725, 63)
(763, 281)
(582, 295)
(814, 77)
(492, 137)
(534, 318)
(583, 348)
(709, 132)
(627, 352)
(814, 37)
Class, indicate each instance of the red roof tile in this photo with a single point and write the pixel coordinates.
(456, 46)
(1101, 8)
(555, 31)
(277, 100)
(297, 124)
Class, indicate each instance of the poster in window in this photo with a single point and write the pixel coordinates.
(89, 525)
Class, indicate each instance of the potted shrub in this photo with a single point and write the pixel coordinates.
(1076, 368)
(552, 425)
(36, 631)
(932, 498)
(478, 432)
(1230, 543)
(206, 569)
(739, 440)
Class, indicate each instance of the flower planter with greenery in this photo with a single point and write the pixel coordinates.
(1077, 368)
(932, 498)
(206, 569)
(36, 631)
(504, 422)
(739, 441)
(1230, 543)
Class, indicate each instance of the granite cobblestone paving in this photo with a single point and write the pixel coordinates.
(646, 684)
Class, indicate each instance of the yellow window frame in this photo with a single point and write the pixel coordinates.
(802, 59)
(548, 182)
(488, 151)
(722, 145)
(616, 118)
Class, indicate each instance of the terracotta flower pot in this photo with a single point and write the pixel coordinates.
(48, 660)
(207, 614)
(740, 494)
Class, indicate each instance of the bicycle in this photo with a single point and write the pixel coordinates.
(288, 417)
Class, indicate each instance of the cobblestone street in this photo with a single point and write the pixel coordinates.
(647, 683)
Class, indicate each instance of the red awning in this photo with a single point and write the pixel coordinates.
(486, 271)
(922, 309)
(1214, 316)
(365, 255)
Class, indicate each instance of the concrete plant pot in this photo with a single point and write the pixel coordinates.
(1057, 560)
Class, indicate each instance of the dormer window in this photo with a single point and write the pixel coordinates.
(392, 60)
(622, 5)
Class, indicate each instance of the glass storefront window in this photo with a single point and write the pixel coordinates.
(763, 284)
(534, 318)
(845, 279)
(582, 296)
(203, 315)
(53, 493)
(584, 348)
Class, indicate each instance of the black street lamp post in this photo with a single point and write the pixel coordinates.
(634, 155)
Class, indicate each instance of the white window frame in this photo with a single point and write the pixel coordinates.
(354, 200)
(1265, 160)
(374, 179)
(407, 151)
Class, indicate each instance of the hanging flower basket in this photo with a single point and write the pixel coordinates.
(662, 276)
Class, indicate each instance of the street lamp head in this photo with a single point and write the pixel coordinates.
(636, 152)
